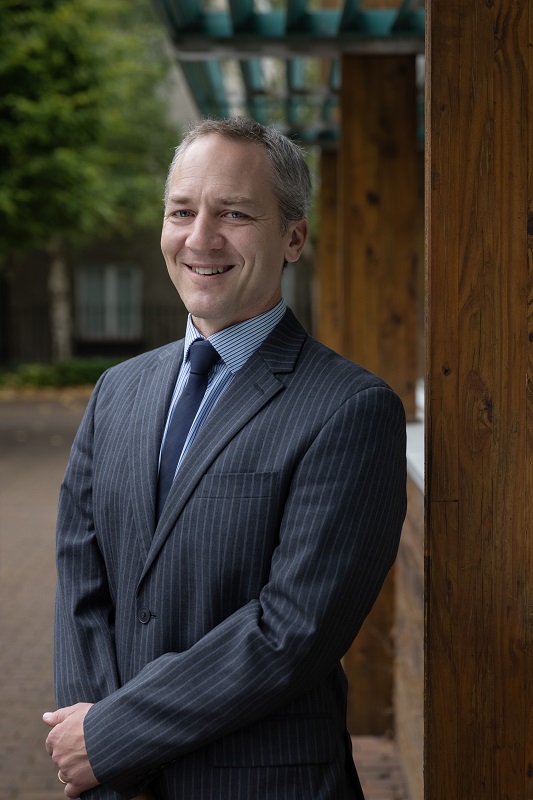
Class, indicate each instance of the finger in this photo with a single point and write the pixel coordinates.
(67, 787)
(71, 791)
(65, 783)
(49, 745)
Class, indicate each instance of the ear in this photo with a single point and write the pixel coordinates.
(297, 237)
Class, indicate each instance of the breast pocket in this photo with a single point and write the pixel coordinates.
(243, 506)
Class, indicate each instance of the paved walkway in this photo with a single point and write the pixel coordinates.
(36, 432)
(35, 438)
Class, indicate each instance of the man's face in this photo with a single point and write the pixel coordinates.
(221, 237)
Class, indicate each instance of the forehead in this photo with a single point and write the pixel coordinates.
(214, 160)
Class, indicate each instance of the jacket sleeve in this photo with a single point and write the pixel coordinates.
(338, 538)
(84, 649)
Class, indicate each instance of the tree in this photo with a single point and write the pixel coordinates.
(84, 141)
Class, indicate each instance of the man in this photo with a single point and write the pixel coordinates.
(198, 637)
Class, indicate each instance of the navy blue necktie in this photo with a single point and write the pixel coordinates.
(202, 356)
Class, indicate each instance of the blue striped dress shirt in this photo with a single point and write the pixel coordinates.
(235, 345)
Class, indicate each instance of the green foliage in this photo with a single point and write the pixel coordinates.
(72, 372)
(84, 144)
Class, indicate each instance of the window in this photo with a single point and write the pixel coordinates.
(108, 302)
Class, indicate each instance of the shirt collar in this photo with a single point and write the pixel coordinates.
(236, 344)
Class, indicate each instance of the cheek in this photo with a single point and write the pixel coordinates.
(171, 241)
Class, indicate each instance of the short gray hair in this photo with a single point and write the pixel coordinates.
(291, 180)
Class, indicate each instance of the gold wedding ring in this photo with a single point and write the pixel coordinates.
(60, 779)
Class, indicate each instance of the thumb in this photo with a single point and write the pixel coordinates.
(55, 717)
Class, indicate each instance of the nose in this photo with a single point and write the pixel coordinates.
(204, 234)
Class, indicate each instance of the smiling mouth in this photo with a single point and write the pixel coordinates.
(210, 270)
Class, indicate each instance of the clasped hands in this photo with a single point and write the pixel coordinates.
(65, 745)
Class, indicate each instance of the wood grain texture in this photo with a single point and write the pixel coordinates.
(368, 663)
(379, 218)
(479, 470)
(366, 282)
(409, 645)
(328, 283)
(528, 566)
(369, 666)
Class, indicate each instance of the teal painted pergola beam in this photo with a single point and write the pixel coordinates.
(288, 59)
(295, 86)
(206, 83)
(187, 18)
(252, 75)
(296, 14)
(242, 13)
(411, 16)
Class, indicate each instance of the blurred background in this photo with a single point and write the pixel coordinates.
(94, 97)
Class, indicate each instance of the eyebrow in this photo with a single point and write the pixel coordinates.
(236, 200)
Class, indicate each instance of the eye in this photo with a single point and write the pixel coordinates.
(236, 215)
(179, 213)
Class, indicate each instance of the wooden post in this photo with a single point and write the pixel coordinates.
(379, 217)
(328, 291)
(479, 467)
(378, 222)
(368, 663)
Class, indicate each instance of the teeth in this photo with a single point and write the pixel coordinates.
(209, 270)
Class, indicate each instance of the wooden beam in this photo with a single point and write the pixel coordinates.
(201, 47)
(379, 214)
(479, 459)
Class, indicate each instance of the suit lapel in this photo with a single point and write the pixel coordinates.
(252, 387)
(147, 424)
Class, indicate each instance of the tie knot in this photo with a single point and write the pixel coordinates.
(202, 356)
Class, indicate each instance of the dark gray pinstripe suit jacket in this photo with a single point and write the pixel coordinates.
(211, 644)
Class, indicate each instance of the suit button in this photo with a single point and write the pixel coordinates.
(144, 615)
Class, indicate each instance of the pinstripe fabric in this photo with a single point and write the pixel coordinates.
(235, 345)
(211, 645)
